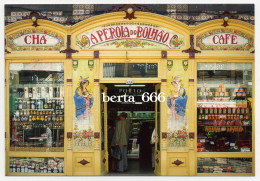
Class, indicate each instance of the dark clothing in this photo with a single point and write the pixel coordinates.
(143, 140)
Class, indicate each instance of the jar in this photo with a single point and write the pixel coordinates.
(22, 169)
(220, 110)
(26, 169)
(224, 110)
(238, 110)
(206, 110)
(201, 110)
(10, 168)
(18, 168)
(229, 110)
(211, 110)
(45, 169)
(233, 110)
(242, 110)
(14, 168)
(247, 110)
(215, 110)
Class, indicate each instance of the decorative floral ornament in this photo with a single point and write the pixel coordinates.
(91, 64)
(185, 64)
(169, 64)
(75, 64)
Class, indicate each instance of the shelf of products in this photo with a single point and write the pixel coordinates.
(224, 165)
(224, 115)
(36, 165)
(36, 107)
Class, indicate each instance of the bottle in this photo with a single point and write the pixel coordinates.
(54, 92)
(53, 104)
(30, 93)
(45, 106)
(25, 104)
(41, 104)
(38, 94)
(62, 104)
(10, 168)
(20, 105)
(47, 92)
(32, 105)
(49, 104)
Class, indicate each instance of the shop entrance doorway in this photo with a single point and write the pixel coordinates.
(142, 118)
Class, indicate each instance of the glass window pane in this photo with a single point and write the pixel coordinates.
(111, 70)
(224, 111)
(36, 106)
(36, 165)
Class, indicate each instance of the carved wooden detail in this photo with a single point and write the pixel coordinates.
(97, 135)
(177, 162)
(163, 80)
(68, 50)
(191, 135)
(164, 135)
(96, 54)
(191, 50)
(69, 134)
(83, 162)
(34, 16)
(164, 54)
(130, 10)
(225, 16)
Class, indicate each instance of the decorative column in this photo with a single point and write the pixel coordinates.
(163, 117)
(68, 99)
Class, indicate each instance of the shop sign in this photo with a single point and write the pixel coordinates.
(35, 40)
(130, 36)
(224, 39)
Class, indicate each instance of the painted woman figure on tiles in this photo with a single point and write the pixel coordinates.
(83, 102)
(177, 105)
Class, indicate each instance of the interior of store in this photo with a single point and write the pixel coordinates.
(142, 118)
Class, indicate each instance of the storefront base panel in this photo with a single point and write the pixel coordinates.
(83, 164)
(177, 164)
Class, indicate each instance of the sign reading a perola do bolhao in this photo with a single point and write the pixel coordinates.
(224, 39)
(35, 40)
(130, 36)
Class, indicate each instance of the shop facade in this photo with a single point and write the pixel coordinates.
(57, 77)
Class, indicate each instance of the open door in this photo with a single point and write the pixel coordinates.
(103, 127)
(157, 167)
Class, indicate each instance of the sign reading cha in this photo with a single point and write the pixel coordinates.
(36, 39)
(120, 32)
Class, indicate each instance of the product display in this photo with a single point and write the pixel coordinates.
(36, 113)
(36, 165)
(224, 113)
(224, 165)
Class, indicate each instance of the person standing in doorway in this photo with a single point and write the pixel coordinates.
(121, 137)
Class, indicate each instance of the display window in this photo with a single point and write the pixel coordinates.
(224, 107)
(36, 107)
(36, 165)
(224, 165)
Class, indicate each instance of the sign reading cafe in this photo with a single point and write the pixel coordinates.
(125, 35)
(224, 39)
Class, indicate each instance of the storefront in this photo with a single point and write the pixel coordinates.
(59, 79)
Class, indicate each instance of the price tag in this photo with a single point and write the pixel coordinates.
(212, 142)
(245, 149)
(202, 140)
(232, 144)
